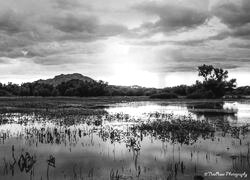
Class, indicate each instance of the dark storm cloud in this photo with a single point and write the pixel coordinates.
(233, 14)
(87, 25)
(11, 22)
(172, 17)
(71, 23)
(8, 25)
(236, 15)
(242, 32)
(19, 31)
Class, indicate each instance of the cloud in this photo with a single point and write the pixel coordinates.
(11, 23)
(186, 59)
(4, 60)
(233, 14)
(239, 32)
(172, 16)
(197, 42)
(242, 32)
(71, 23)
(27, 31)
(85, 26)
(173, 19)
(91, 37)
(236, 15)
(240, 45)
(53, 60)
(65, 4)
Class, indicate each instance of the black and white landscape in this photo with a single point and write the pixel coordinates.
(124, 89)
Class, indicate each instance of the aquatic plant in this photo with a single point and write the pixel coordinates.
(178, 130)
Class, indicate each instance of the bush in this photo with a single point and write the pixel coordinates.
(164, 96)
(4, 93)
(201, 94)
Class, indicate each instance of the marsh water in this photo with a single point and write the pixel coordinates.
(104, 146)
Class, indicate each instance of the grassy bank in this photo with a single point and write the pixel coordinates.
(88, 102)
(63, 102)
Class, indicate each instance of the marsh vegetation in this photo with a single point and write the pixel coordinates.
(120, 139)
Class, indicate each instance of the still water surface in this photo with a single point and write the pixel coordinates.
(36, 147)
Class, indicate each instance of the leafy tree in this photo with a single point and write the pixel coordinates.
(25, 90)
(205, 71)
(244, 90)
(12, 88)
(76, 87)
(215, 80)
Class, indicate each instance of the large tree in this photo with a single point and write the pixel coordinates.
(215, 80)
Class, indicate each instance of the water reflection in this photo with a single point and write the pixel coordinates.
(198, 110)
(130, 142)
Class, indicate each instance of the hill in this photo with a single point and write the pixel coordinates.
(65, 78)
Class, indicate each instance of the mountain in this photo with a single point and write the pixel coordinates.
(64, 78)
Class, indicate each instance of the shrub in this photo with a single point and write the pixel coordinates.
(164, 96)
(4, 93)
(201, 94)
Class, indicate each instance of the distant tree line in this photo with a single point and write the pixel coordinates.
(74, 87)
(215, 84)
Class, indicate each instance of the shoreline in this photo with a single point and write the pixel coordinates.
(89, 103)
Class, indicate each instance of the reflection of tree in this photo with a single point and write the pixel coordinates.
(205, 105)
(219, 120)
(51, 163)
(12, 165)
(26, 162)
(212, 111)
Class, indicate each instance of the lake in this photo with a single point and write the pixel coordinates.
(110, 146)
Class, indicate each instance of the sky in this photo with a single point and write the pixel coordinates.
(151, 43)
